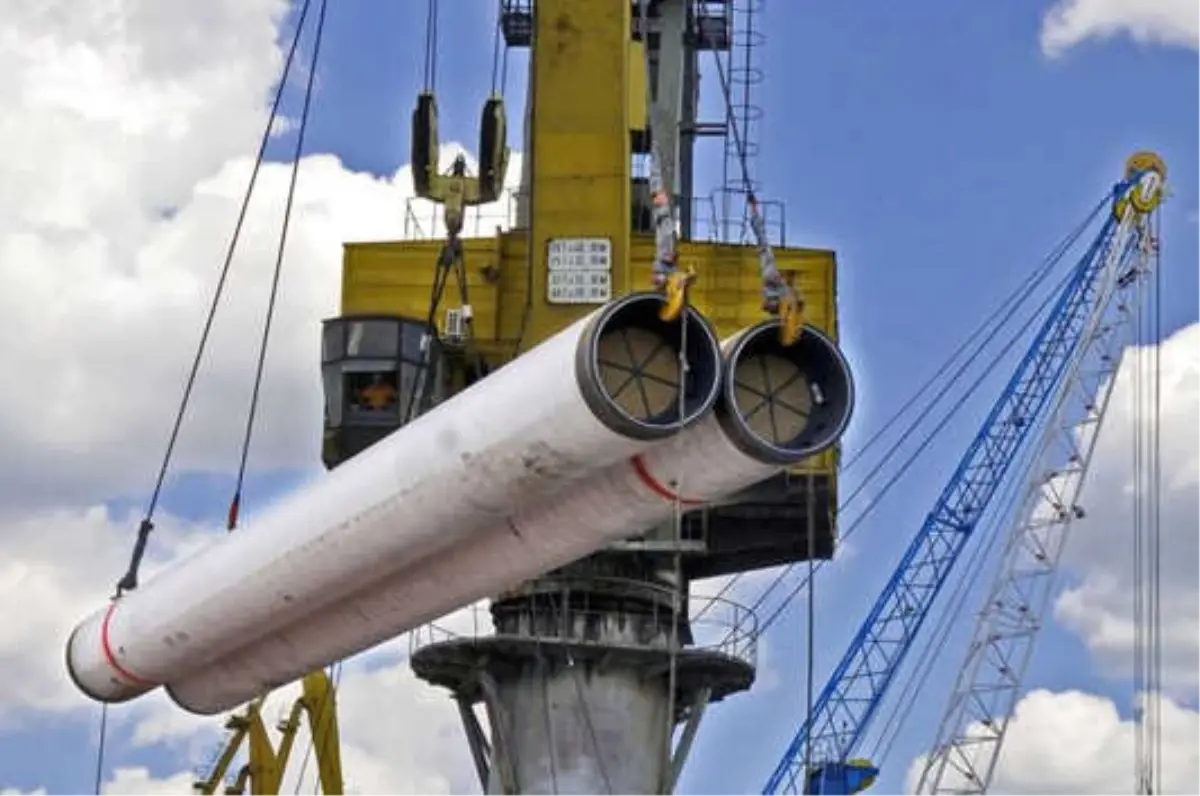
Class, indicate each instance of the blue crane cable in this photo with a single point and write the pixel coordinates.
(845, 707)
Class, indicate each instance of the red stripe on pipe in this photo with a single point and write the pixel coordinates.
(655, 486)
(108, 653)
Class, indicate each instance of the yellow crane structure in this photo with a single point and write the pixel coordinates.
(612, 87)
(266, 762)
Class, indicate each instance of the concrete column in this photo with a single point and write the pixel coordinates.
(575, 729)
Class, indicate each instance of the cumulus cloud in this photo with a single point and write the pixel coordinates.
(135, 122)
(1072, 742)
(1098, 602)
(135, 143)
(1168, 22)
(57, 566)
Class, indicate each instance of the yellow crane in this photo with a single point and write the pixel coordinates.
(266, 762)
(602, 99)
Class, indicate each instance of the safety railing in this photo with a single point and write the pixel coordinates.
(423, 218)
(719, 217)
(715, 625)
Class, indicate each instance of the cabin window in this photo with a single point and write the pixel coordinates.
(372, 339)
(373, 368)
(373, 394)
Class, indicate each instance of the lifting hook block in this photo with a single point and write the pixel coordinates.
(676, 288)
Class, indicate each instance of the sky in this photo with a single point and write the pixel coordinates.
(940, 148)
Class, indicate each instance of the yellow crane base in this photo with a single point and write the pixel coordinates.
(265, 765)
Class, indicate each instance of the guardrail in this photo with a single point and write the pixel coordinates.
(716, 625)
(719, 217)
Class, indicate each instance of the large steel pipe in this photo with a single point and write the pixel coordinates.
(598, 392)
(778, 406)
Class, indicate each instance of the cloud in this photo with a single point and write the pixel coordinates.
(137, 780)
(1072, 742)
(136, 123)
(1167, 22)
(58, 566)
(136, 147)
(1097, 605)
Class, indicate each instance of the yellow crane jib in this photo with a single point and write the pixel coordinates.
(456, 189)
(265, 764)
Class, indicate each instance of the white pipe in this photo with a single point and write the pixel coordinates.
(716, 457)
(537, 424)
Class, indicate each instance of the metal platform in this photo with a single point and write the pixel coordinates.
(504, 638)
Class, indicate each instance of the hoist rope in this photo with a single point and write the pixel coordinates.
(773, 285)
(1147, 552)
(1140, 693)
(297, 153)
(679, 603)
(429, 78)
(906, 466)
(1002, 313)
(129, 581)
(499, 54)
(968, 576)
(954, 409)
(101, 743)
(811, 633)
(1157, 495)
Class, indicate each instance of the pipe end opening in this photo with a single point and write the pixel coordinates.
(784, 404)
(632, 369)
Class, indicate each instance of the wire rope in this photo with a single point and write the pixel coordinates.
(264, 342)
(1018, 295)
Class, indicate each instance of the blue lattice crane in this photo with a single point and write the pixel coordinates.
(819, 758)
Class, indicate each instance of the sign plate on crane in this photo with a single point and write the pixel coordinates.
(578, 270)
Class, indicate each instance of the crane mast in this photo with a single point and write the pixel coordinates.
(843, 711)
(978, 713)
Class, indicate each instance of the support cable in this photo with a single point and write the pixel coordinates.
(1147, 563)
(774, 288)
(968, 576)
(1003, 310)
(1140, 694)
(904, 468)
(662, 180)
(429, 78)
(100, 748)
(810, 656)
(1156, 492)
(129, 581)
(974, 725)
(499, 54)
(679, 609)
(297, 153)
